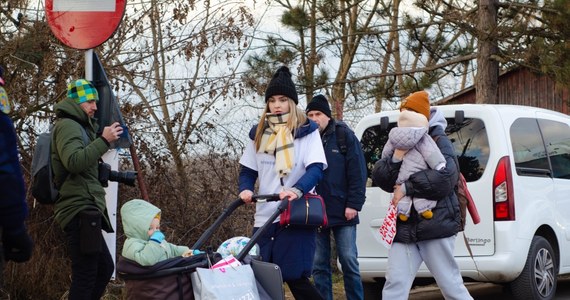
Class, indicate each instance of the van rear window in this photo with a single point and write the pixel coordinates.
(471, 145)
(469, 139)
(372, 142)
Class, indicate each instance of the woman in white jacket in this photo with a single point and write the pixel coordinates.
(286, 154)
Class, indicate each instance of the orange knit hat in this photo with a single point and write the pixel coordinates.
(418, 102)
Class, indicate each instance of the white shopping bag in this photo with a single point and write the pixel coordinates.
(388, 228)
(225, 283)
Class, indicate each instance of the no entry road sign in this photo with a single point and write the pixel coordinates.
(84, 24)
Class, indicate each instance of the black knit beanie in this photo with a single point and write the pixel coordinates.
(281, 84)
(320, 103)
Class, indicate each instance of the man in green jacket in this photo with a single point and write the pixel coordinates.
(80, 209)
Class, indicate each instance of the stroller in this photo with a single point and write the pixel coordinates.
(170, 279)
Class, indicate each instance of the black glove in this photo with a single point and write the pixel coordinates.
(18, 247)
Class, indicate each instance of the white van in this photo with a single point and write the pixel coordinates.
(516, 160)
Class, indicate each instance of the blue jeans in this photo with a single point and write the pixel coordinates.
(345, 241)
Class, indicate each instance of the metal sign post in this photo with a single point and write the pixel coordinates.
(86, 24)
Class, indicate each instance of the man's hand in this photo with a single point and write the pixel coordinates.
(350, 213)
(113, 132)
(17, 247)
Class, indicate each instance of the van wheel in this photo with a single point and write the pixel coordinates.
(538, 278)
(373, 290)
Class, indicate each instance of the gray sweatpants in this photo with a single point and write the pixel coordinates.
(404, 261)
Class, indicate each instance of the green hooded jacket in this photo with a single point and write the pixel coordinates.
(137, 216)
(76, 164)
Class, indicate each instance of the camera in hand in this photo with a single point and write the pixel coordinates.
(106, 174)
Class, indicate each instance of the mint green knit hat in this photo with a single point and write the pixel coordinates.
(82, 91)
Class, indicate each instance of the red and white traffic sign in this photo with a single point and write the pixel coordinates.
(84, 24)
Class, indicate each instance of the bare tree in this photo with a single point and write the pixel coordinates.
(510, 34)
(174, 72)
(173, 66)
(326, 32)
(379, 51)
(444, 46)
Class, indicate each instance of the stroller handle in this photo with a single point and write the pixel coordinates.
(231, 208)
(265, 198)
(227, 212)
(210, 231)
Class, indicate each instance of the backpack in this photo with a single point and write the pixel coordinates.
(340, 132)
(44, 188)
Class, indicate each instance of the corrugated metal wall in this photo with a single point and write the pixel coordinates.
(522, 87)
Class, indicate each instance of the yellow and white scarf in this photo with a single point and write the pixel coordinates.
(278, 140)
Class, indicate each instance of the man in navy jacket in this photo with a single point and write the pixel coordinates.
(343, 188)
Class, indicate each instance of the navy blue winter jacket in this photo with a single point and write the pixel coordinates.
(13, 206)
(344, 180)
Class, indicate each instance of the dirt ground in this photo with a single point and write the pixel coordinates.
(338, 289)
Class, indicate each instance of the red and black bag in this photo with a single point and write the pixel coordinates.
(308, 211)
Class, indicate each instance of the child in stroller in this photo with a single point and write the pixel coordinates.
(145, 243)
(170, 278)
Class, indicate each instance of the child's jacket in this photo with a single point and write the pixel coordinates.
(137, 216)
(412, 135)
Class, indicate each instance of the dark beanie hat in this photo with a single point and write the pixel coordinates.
(320, 103)
(281, 84)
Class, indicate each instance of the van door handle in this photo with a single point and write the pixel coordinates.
(376, 223)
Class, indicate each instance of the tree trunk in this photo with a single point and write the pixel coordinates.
(392, 51)
(487, 66)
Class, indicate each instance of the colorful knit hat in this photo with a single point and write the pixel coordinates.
(418, 102)
(281, 84)
(4, 102)
(82, 91)
(320, 103)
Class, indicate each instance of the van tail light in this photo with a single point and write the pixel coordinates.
(503, 199)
